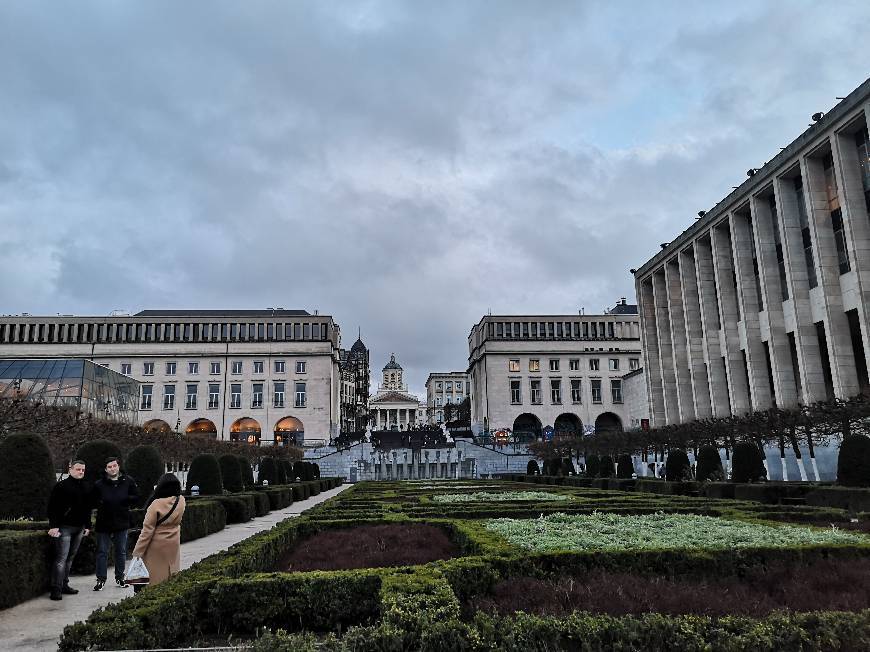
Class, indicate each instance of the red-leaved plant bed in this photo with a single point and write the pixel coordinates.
(834, 585)
(370, 546)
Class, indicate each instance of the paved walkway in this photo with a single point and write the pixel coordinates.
(36, 625)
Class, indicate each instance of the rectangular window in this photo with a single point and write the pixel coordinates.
(261, 332)
(270, 331)
(516, 397)
(576, 387)
(147, 392)
(514, 365)
(593, 364)
(192, 368)
(780, 256)
(190, 401)
(439, 385)
(595, 386)
(535, 391)
(554, 365)
(236, 395)
(633, 364)
(300, 366)
(279, 395)
(170, 368)
(534, 365)
(613, 364)
(840, 240)
(148, 368)
(300, 395)
(279, 366)
(236, 367)
(555, 391)
(126, 368)
(574, 364)
(215, 368)
(448, 386)
(257, 395)
(610, 330)
(438, 401)
(169, 397)
(306, 331)
(805, 234)
(214, 395)
(616, 390)
(258, 367)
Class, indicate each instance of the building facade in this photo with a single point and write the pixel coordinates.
(393, 407)
(248, 375)
(564, 371)
(355, 381)
(443, 388)
(764, 301)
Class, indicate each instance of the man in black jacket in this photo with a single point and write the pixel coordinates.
(115, 493)
(69, 520)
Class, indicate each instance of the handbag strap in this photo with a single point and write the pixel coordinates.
(162, 519)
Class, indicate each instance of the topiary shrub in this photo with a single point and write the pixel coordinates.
(567, 466)
(267, 471)
(532, 468)
(28, 477)
(747, 465)
(315, 468)
(247, 472)
(709, 467)
(677, 466)
(298, 471)
(287, 465)
(307, 471)
(280, 472)
(593, 463)
(231, 474)
(94, 454)
(853, 462)
(605, 467)
(624, 466)
(145, 466)
(205, 472)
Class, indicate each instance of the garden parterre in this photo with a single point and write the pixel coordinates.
(236, 593)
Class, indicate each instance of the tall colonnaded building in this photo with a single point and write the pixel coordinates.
(262, 376)
(764, 301)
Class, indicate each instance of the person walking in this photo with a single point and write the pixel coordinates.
(159, 543)
(115, 493)
(69, 519)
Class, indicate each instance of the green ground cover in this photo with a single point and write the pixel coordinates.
(557, 532)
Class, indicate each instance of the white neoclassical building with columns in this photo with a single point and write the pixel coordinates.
(393, 407)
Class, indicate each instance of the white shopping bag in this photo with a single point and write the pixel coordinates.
(137, 573)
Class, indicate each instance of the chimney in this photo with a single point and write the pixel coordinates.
(623, 301)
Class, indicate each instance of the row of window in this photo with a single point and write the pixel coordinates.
(448, 385)
(191, 401)
(236, 368)
(573, 364)
(536, 398)
(566, 329)
(139, 332)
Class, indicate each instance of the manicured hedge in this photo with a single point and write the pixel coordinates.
(239, 509)
(25, 563)
(261, 503)
(854, 499)
(27, 478)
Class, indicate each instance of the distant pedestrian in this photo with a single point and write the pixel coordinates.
(69, 521)
(115, 493)
(159, 543)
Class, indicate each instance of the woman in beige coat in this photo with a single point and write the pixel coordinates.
(159, 543)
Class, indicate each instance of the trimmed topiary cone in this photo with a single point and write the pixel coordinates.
(624, 466)
(231, 474)
(605, 467)
(280, 472)
(246, 471)
(853, 462)
(677, 466)
(532, 468)
(268, 471)
(747, 464)
(709, 465)
(298, 470)
(94, 454)
(145, 466)
(307, 471)
(28, 476)
(287, 465)
(315, 467)
(567, 466)
(593, 464)
(205, 472)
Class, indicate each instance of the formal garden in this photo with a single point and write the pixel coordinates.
(497, 564)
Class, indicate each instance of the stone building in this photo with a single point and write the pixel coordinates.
(393, 407)
(764, 300)
(564, 371)
(249, 375)
(443, 388)
(355, 381)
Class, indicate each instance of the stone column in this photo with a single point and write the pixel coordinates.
(665, 347)
(694, 336)
(679, 340)
(652, 362)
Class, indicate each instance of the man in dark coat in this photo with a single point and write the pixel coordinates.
(115, 493)
(69, 521)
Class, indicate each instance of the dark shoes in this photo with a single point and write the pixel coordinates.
(68, 590)
(55, 595)
(99, 585)
(121, 583)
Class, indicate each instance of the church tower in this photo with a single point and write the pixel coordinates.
(393, 376)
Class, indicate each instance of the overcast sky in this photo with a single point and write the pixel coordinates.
(403, 166)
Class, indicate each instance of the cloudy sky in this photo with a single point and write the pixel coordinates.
(404, 166)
